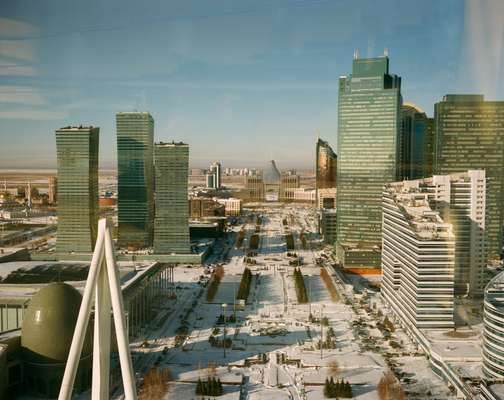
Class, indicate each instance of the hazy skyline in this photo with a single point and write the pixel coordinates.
(241, 82)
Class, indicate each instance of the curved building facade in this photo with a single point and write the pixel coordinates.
(46, 336)
(493, 333)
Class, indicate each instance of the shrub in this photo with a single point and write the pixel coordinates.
(214, 283)
(244, 289)
(301, 294)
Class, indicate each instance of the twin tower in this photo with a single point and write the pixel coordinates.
(152, 188)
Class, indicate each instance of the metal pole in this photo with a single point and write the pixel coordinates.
(83, 318)
(321, 334)
(120, 325)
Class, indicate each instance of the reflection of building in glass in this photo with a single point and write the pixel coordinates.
(135, 169)
(77, 152)
(469, 135)
(171, 225)
(369, 112)
(411, 142)
(326, 164)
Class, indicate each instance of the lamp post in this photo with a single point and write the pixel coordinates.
(224, 305)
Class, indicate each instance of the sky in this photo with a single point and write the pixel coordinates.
(240, 81)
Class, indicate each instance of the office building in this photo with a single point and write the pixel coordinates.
(202, 207)
(326, 198)
(216, 170)
(271, 181)
(232, 206)
(171, 225)
(77, 154)
(52, 191)
(254, 187)
(328, 225)
(288, 185)
(414, 124)
(326, 165)
(418, 258)
(428, 151)
(470, 135)
(305, 195)
(210, 181)
(369, 122)
(135, 180)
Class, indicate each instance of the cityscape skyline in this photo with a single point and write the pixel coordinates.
(204, 88)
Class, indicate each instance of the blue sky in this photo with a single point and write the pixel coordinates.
(240, 81)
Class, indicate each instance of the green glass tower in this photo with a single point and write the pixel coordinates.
(470, 135)
(77, 153)
(369, 122)
(171, 224)
(135, 168)
(412, 139)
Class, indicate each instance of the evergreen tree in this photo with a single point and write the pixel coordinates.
(199, 387)
(326, 388)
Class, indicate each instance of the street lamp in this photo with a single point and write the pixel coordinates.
(224, 305)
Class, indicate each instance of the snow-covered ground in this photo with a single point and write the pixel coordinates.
(273, 353)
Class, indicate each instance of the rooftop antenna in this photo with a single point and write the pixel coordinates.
(356, 54)
(386, 52)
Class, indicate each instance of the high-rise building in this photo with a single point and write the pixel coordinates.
(52, 191)
(428, 151)
(327, 225)
(77, 152)
(433, 245)
(470, 135)
(254, 187)
(412, 142)
(216, 170)
(210, 181)
(135, 169)
(369, 122)
(326, 165)
(171, 224)
(288, 184)
(418, 258)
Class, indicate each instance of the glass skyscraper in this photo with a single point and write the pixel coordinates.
(369, 122)
(469, 134)
(77, 153)
(135, 165)
(326, 165)
(171, 224)
(412, 142)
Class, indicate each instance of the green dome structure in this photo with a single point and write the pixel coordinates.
(46, 336)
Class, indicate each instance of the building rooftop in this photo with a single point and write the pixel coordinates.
(171, 144)
(77, 128)
(412, 198)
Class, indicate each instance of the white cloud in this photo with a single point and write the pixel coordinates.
(20, 95)
(19, 50)
(13, 69)
(37, 115)
(13, 28)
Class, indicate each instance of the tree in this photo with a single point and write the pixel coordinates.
(333, 368)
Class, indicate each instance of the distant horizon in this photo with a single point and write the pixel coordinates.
(240, 82)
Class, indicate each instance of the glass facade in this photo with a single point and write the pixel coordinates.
(412, 142)
(77, 153)
(326, 164)
(369, 113)
(171, 224)
(135, 165)
(470, 135)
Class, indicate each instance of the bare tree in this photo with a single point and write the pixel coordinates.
(333, 369)
(389, 388)
(156, 384)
